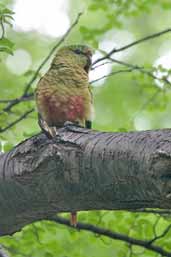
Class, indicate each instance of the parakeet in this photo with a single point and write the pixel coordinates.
(63, 93)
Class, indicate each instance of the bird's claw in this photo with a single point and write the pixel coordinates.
(73, 126)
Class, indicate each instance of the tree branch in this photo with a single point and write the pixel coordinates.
(160, 236)
(142, 70)
(15, 101)
(51, 53)
(82, 169)
(22, 117)
(25, 94)
(136, 42)
(111, 74)
(113, 235)
(146, 103)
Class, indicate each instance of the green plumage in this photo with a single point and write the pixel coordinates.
(63, 93)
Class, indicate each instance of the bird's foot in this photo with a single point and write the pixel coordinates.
(70, 124)
(73, 127)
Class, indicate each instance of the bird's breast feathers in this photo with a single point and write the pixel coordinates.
(58, 105)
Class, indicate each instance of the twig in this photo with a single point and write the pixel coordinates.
(101, 64)
(144, 105)
(136, 42)
(160, 236)
(51, 52)
(111, 74)
(25, 93)
(15, 101)
(155, 225)
(132, 68)
(16, 121)
(113, 235)
(142, 70)
(25, 96)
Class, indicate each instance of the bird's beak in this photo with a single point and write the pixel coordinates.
(88, 65)
(89, 61)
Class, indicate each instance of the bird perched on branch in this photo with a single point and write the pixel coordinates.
(63, 93)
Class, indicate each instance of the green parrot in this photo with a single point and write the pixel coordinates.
(63, 93)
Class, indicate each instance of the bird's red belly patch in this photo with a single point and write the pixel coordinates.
(75, 108)
(60, 109)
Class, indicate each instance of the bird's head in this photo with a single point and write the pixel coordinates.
(77, 54)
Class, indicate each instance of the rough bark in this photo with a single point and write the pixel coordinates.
(84, 170)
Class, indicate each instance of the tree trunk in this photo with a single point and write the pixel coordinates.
(84, 170)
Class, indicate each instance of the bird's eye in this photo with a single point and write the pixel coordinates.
(77, 51)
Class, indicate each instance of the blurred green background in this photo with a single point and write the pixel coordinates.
(123, 102)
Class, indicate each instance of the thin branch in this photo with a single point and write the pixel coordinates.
(146, 103)
(22, 117)
(51, 52)
(160, 236)
(111, 74)
(101, 64)
(28, 97)
(142, 70)
(133, 67)
(155, 225)
(25, 93)
(113, 235)
(25, 96)
(136, 42)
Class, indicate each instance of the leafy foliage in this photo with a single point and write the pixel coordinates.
(131, 100)
(5, 18)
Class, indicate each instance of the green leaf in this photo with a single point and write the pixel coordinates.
(6, 42)
(7, 22)
(9, 16)
(6, 11)
(6, 45)
(6, 50)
